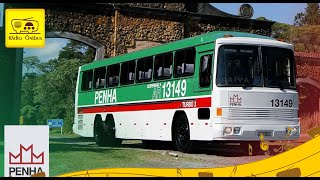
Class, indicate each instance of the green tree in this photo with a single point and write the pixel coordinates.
(280, 30)
(28, 107)
(262, 18)
(55, 92)
(77, 50)
(306, 38)
(311, 16)
(48, 90)
(31, 63)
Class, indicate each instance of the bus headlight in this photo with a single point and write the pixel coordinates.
(292, 131)
(227, 130)
(236, 130)
(295, 130)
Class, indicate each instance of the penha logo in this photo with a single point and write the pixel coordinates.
(235, 100)
(25, 28)
(30, 158)
(27, 155)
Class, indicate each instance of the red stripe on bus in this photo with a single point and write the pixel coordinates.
(200, 102)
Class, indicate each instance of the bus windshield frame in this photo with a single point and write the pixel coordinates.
(255, 66)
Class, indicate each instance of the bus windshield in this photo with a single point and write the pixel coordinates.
(279, 67)
(255, 66)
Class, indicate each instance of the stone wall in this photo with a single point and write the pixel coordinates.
(139, 45)
(197, 28)
(118, 30)
(96, 27)
(145, 28)
(309, 95)
(168, 6)
(311, 70)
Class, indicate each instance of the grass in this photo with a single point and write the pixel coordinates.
(309, 121)
(71, 153)
(67, 157)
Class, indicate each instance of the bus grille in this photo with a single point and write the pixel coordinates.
(265, 113)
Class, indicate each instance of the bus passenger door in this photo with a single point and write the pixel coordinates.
(203, 71)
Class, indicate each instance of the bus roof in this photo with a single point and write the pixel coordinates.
(172, 46)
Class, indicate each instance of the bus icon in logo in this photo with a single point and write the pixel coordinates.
(24, 25)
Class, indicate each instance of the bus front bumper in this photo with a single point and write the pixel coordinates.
(251, 132)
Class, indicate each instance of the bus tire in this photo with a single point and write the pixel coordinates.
(104, 133)
(99, 134)
(181, 134)
(110, 131)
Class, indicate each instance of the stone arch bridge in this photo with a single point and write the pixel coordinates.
(121, 28)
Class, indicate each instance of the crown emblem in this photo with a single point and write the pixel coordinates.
(26, 156)
(235, 99)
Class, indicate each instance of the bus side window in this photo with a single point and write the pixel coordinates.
(86, 81)
(144, 69)
(163, 66)
(205, 70)
(113, 75)
(99, 78)
(184, 62)
(127, 72)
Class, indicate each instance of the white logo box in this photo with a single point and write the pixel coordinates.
(26, 150)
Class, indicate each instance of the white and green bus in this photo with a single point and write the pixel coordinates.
(219, 86)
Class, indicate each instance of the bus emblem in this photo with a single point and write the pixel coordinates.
(235, 100)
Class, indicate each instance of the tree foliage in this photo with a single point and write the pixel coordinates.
(48, 91)
(278, 30)
(305, 38)
(31, 63)
(305, 33)
(311, 16)
(262, 18)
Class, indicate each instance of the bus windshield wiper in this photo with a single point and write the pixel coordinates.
(281, 85)
(245, 85)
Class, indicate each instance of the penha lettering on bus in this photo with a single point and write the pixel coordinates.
(105, 96)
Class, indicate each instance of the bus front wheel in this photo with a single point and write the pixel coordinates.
(181, 134)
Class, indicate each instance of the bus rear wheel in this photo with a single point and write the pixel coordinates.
(99, 134)
(110, 130)
(104, 133)
(181, 134)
